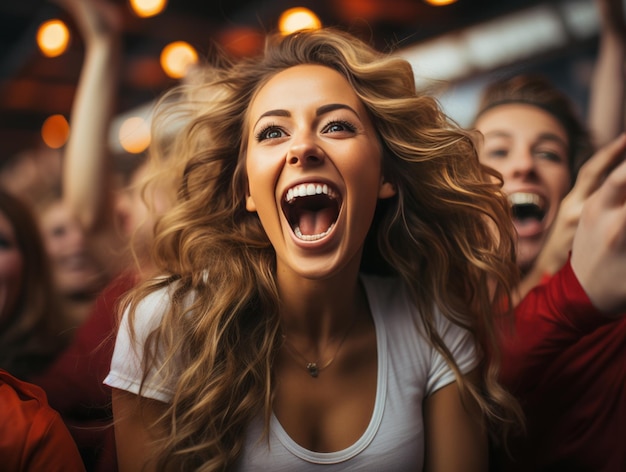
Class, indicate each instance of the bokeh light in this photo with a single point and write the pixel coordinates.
(440, 3)
(53, 38)
(55, 131)
(147, 8)
(296, 19)
(177, 57)
(134, 135)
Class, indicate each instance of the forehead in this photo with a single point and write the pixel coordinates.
(520, 120)
(55, 211)
(301, 86)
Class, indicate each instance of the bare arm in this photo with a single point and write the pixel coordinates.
(133, 435)
(456, 438)
(86, 172)
(608, 88)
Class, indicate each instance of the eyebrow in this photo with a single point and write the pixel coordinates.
(554, 138)
(334, 106)
(542, 137)
(497, 134)
(319, 112)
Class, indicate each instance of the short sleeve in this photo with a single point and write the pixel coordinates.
(461, 344)
(126, 371)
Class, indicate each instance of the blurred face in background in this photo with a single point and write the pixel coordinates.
(529, 147)
(76, 270)
(131, 210)
(11, 269)
(136, 212)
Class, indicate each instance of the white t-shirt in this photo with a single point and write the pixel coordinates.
(409, 370)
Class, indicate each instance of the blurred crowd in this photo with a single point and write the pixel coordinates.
(76, 232)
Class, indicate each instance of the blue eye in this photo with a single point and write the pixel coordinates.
(550, 156)
(337, 126)
(270, 132)
(497, 153)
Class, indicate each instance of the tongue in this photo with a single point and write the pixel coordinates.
(527, 227)
(315, 222)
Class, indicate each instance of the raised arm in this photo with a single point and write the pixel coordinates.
(608, 88)
(86, 173)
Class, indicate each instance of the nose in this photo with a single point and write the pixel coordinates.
(305, 152)
(521, 163)
(76, 235)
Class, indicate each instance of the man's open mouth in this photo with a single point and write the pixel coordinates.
(526, 206)
(311, 210)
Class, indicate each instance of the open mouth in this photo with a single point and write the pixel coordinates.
(527, 206)
(311, 210)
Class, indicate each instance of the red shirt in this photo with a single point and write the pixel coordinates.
(73, 383)
(32, 435)
(566, 362)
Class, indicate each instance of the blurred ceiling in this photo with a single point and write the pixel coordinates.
(32, 86)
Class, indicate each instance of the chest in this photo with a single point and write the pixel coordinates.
(375, 425)
(329, 412)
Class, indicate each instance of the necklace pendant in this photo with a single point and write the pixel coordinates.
(312, 368)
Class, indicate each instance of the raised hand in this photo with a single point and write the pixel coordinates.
(612, 16)
(590, 177)
(96, 19)
(599, 246)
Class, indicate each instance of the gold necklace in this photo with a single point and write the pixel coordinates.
(314, 368)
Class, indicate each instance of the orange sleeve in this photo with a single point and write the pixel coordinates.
(33, 436)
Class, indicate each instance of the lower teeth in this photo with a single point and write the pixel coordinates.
(311, 237)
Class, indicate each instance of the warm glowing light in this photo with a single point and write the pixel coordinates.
(440, 3)
(134, 135)
(176, 58)
(53, 38)
(55, 131)
(296, 19)
(241, 41)
(147, 8)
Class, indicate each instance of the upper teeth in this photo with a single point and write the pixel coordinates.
(304, 190)
(525, 199)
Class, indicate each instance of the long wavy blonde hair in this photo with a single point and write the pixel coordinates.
(447, 234)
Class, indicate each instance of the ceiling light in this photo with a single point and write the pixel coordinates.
(55, 131)
(53, 38)
(297, 19)
(147, 8)
(440, 3)
(134, 135)
(177, 57)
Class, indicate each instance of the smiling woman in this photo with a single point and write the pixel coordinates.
(566, 330)
(29, 310)
(528, 143)
(324, 139)
(328, 274)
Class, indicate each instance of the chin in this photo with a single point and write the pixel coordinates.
(525, 263)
